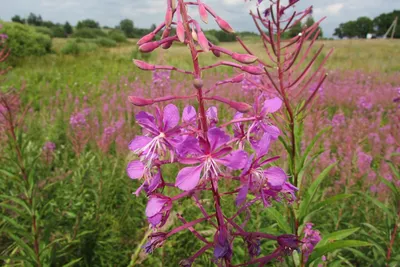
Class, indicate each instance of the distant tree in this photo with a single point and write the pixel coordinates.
(68, 28)
(88, 23)
(18, 19)
(309, 22)
(153, 27)
(383, 22)
(339, 31)
(35, 20)
(48, 24)
(295, 30)
(364, 25)
(127, 27)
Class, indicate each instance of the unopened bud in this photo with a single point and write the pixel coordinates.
(244, 58)
(139, 101)
(203, 42)
(224, 25)
(194, 35)
(149, 47)
(239, 78)
(164, 35)
(143, 65)
(216, 53)
(145, 39)
(198, 83)
(252, 70)
(180, 31)
(168, 17)
(240, 106)
(203, 13)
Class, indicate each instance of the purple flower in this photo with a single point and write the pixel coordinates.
(253, 246)
(156, 240)
(310, 240)
(288, 243)
(222, 249)
(209, 155)
(158, 209)
(268, 183)
(162, 133)
(338, 120)
(78, 120)
(49, 146)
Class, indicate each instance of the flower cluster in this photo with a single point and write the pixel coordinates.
(213, 155)
(310, 240)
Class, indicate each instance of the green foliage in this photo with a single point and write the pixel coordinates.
(68, 28)
(127, 27)
(295, 30)
(44, 30)
(222, 36)
(212, 38)
(383, 22)
(35, 20)
(136, 54)
(117, 36)
(76, 47)
(58, 32)
(18, 19)
(88, 23)
(25, 41)
(106, 42)
(89, 33)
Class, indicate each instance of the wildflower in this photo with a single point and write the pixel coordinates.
(49, 147)
(78, 120)
(310, 240)
(253, 246)
(209, 155)
(222, 249)
(288, 243)
(162, 133)
(156, 240)
(158, 210)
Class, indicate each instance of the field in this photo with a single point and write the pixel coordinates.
(75, 125)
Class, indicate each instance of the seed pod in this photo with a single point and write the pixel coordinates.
(244, 58)
(143, 65)
(203, 13)
(203, 42)
(145, 39)
(224, 25)
(253, 70)
(198, 83)
(180, 31)
(149, 47)
(139, 101)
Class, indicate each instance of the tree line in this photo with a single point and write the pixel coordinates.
(362, 26)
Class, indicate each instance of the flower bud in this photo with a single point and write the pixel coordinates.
(216, 53)
(145, 39)
(198, 83)
(180, 31)
(156, 240)
(203, 42)
(168, 17)
(239, 78)
(164, 35)
(224, 25)
(288, 243)
(252, 70)
(244, 58)
(203, 13)
(143, 65)
(194, 35)
(149, 47)
(139, 101)
(240, 106)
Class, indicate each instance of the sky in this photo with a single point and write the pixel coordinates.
(146, 12)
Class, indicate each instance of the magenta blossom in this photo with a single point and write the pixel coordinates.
(162, 133)
(158, 210)
(310, 240)
(209, 155)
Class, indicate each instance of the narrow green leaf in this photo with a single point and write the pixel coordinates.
(28, 250)
(323, 250)
(278, 217)
(379, 204)
(330, 201)
(72, 263)
(310, 147)
(338, 235)
(17, 201)
(309, 196)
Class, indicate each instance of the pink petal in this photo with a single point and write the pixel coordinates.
(217, 138)
(189, 114)
(155, 220)
(188, 178)
(135, 169)
(171, 117)
(276, 177)
(139, 142)
(242, 195)
(236, 160)
(155, 206)
(272, 105)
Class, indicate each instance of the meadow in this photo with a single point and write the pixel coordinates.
(75, 124)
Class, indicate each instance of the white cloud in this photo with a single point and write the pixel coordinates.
(233, 2)
(330, 10)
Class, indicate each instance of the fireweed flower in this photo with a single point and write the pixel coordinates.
(158, 210)
(210, 156)
(161, 133)
(268, 183)
(49, 147)
(223, 249)
(310, 240)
